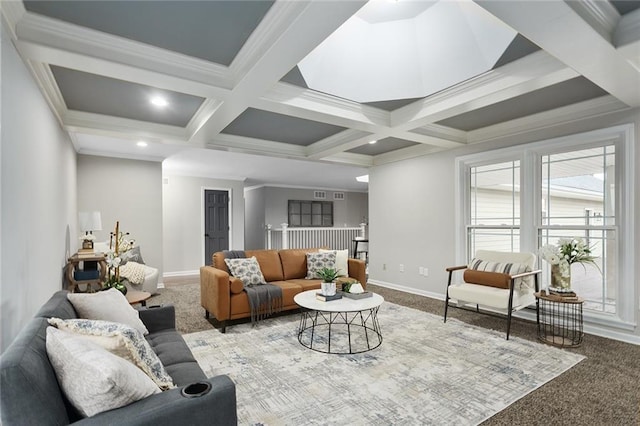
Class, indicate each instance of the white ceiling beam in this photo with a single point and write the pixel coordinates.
(248, 145)
(63, 58)
(310, 24)
(525, 75)
(105, 125)
(547, 23)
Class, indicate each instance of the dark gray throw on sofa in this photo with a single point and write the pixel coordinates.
(264, 299)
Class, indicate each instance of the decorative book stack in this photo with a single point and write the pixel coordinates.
(326, 298)
(568, 295)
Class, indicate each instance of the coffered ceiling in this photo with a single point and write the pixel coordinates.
(319, 80)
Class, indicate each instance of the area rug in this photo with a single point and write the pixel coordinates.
(425, 372)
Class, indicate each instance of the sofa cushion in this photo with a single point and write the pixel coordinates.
(94, 379)
(294, 262)
(121, 340)
(109, 305)
(269, 263)
(316, 262)
(176, 357)
(218, 261)
(248, 270)
(58, 306)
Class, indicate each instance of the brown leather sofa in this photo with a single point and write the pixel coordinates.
(223, 296)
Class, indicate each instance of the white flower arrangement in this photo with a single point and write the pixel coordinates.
(87, 237)
(567, 252)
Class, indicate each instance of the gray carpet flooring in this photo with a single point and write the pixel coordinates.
(604, 389)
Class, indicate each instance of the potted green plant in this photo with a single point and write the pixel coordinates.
(328, 285)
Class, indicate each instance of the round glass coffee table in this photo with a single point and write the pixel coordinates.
(343, 326)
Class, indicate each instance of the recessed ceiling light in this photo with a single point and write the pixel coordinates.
(159, 101)
(363, 178)
(372, 142)
(142, 144)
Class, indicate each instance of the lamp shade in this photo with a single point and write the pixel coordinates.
(90, 221)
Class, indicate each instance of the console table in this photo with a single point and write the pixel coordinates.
(75, 273)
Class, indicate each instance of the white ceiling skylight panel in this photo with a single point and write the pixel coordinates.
(400, 50)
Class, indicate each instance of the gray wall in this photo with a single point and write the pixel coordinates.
(184, 220)
(129, 191)
(419, 229)
(254, 219)
(348, 212)
(38, 178)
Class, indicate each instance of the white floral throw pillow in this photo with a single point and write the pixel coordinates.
(121, 340)
(248, 270)
(318, 261)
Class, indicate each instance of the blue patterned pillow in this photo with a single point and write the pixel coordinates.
(318, 261)
(248, 270)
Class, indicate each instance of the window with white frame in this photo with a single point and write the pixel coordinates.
(521, 198)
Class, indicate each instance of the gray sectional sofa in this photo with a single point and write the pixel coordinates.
(31, 394)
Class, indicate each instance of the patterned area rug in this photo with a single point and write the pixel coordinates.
(425, 372)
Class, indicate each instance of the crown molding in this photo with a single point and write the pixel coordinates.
(444, 132)
(247, 145)
(204, 113)
(342, 112)
(516, 78)
(88, 42)
(405, 154)
(350, 158)
(343, 141)
(272, 26)
(98, 124)
(628, 30)
(126, 156)
(563, 115)
(49, 88)
(600, 15)
(12, 13)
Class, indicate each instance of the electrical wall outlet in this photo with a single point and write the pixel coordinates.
(401, 267)
(384, 266)
(425, 272)
(421, 270)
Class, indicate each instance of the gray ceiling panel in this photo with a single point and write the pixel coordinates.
(392, 105)
(566, 93)
(519, 48)
(255, 123)
(383, 146)
(210, 30)
(295, 77)
(625, 6)
(102, 95)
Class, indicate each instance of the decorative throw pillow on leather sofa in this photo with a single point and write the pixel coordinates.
(109, 305)
(342, 261)
(318, 261)
(121, 340)
(248, 270)
(93, 379)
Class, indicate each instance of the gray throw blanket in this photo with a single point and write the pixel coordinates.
(264, 299)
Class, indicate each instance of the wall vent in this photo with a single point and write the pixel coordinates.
(338, 195)
(319, 195)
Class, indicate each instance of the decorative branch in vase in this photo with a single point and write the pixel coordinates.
(117, 245)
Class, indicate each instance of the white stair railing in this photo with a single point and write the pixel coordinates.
(335, 238)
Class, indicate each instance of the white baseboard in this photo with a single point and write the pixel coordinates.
(528, 315)
(180, 273)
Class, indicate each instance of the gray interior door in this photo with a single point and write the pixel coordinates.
(216, 223)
